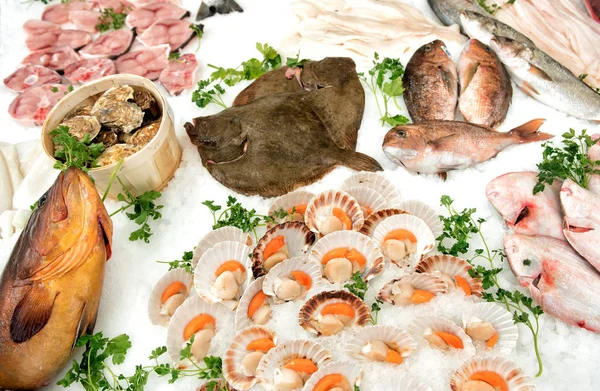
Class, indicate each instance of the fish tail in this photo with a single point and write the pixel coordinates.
(225, 7)
(528, 132)
(359, 161)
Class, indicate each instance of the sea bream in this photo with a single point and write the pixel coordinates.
(51, 286)
(582, 220)
(562, 282)
(523, 212)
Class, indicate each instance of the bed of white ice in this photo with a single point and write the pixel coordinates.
(571, 355)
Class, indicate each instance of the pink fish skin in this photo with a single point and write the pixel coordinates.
(527, 214)
(582, 221)
(562, 282)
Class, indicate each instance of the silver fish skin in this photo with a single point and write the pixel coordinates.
(562, 282)
(582, 222)
(448, 11)
(546, 80)
(483, 28)
(523, 212)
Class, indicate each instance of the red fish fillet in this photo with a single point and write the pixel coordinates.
(111, 44)
(59, 13)
(179, 74)
(56, 58)
(142, 18)
(31, 76)
(80, 72)
(35, 103)
(148, 63)
(174, 32)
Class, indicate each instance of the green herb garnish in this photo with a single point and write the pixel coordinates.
(493, 8)
(295, 62)
(184, 263)
(111, 20)
(70, 152)
(358, 287)
(197, 29)
(174, 56)
(34, 205)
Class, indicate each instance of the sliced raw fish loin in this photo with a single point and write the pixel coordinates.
(117, 5)
(175, 32)
(34, 26)
(55, 58)
(85, 20)
(82, 71)
(31, 76)
(179, 74)
(111, 45)
(143, 3)
(53, 38)
(59, 13)
(142, 18)
(35, 103)
(148, 63)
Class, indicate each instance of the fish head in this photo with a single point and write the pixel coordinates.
(477, 51)
(512, 53)
(525, 258)
(478, 26)
(219, 138)
(434, 52)
(510, 194)
(403, 143)
(331, 71)
(580, 207)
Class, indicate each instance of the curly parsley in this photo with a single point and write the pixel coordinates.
(70, 152)
(358, 287)
(109, 19)
(184, 263)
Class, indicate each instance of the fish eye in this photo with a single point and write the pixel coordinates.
(401, 133)
(42, 200)
(428, 48)
(487, 49)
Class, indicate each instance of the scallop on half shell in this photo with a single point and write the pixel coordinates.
(490, 374)
(369, 200)
(441, 333)
(425, 213)
(375, 218)
(492, 326)
(292, 279)
(412, 289)
(168, 294)
(330, 312)
(453, 270)
(377, 182)
(223, 234)
(293, 203)
(254, 307)
(333, 211)
(339, 376)
(387, 344)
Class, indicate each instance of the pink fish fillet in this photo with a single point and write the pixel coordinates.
(85, 20)
(142, 18)
(33, 26)
(46, 39)
(56, 58)
(80, 72)
(512, 196)
(582, 220)
(562, 282)
(175, 32)
(116, 5)
(143, 3)
(110, 44)
(179, 74)
(35, 103)
(148, 63)
(59, 13)
(31, 76)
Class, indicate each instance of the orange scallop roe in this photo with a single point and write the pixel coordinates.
(303, 365)
(490, 343)
(338, 309)
(421, 296)
(450, 339)
(353, 255)
(344, 218)
(328, 382)
(197, 324)
(256, 302)
(463, 284)
(401, 234)
(261, 345)
(230, 266)
(173, 289)
(491, 378)
(298, 209)
(367, 210)
(393, 357)
(302, 278)
(273, 246)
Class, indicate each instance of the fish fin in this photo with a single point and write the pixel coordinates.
(528, 132)
(228, 6)
(449, 80)
(81, 325)
(359, 161)
(32, 313)
(539, 72)
(443, 175)
(529, 90)
(469, 74)
(436, 143)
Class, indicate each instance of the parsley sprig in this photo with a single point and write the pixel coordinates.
(358, 287)
(70, 152)
(385, 79)
(109, 19)
(493, 8)
(459, 228)
(184, 263)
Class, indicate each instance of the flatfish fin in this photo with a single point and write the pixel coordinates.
(32, 313)
(359, 161)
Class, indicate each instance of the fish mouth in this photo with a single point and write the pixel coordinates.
(399, 154)
(522, 215)
(244, 148)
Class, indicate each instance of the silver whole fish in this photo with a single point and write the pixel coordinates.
(562, 282)
(483, 28)
(523, 212)
(448, 11)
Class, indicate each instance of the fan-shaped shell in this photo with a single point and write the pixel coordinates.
(449, 267)
(311, 310)
(289, 201)
(298, 239)
(374, 181)
(425, 213)
(223, 234)
(404, 383)
(500, 318)
(394, 337)
(367, 198)
(285, 352)
(205, 272)
(375, 218)
(352, 372)
(514, 377)
(241, 313)
(232, 361)
(422, 281)
(425, 240)
(285, 269)
(351, 240)
(421, 325)
(321, 207)
(154, 304)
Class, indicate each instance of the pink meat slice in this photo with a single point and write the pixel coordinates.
(142, 18)
(59, 13)
(148, 63)
(85, 20)
(179, 74)
(34, 26)
(116, 5)
(111, 44)
(56, 58)
(31, 76)
(82, 71)
(143, 3)
(174, 32)
(36, 102)
(47, 39)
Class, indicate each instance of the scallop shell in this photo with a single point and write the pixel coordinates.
(241, 313)
(322, 206)
(367, 197)
(115, 153)
(354, 240)
(428, 282)
(375, 218)
(154, 302)
(395, 337)
(285, 268)
(374, 181)
(500, 318)
(425, 213)
(191, 308)
(514, 377)
(352, 372)
(313, 306)
(232, 360)
(204, 274)
(419, 325)
(425, 238)
(298, 239)
(404, 383)
(125, 116)
(286, 351)
(285, 202)
(450, 266)
(223, 234)
(81, 125)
